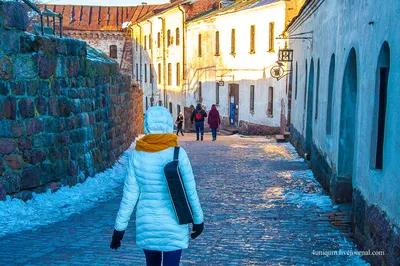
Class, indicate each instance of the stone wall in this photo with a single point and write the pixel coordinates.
(66, 112)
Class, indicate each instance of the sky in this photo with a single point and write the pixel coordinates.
(103, 2)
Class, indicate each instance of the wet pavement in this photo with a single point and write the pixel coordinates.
(261, 204)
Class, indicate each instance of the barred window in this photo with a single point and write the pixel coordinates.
(169, 37)
(271, 36)
(252, 99)
(217, 93)
(169, 74)
(252, 39)
(151, 73)
(145, 72)
(150, 42)
(217, 43)
(159, 73)
(158, 39)
(177, 36)
(199, 46)
(200, 92)
(178, 74)
(145, 42)
(233, 42)
(270, 110)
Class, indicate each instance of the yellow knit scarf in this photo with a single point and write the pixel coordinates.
(156, 142)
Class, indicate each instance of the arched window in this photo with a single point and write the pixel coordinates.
(252, 39)
(252, 99)
(330, 96)
(169, 38)
(178, 74)
(317, 91)
(178, 109)
(158, 40)
(233, 42)
(113, 51)
(217, 43)
(177, 36)
(380, 106)
(199, 46)
(170, 107)
(169, 74)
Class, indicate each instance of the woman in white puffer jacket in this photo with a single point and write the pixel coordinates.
(157, 229)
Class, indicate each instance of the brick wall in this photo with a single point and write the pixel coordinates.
(66, 112)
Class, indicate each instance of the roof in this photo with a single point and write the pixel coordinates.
(234, 7)
(305, 5)
(79, 17)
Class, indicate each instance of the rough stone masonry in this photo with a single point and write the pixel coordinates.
(66, 112)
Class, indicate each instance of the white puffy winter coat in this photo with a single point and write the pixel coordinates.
(157, 227)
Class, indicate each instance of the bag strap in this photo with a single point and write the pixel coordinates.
(176, 154)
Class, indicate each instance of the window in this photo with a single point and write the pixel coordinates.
(200, 92)
(178, 109)
(145, 42)
(317, 92)
(217, 93)
(270, 110)
(178, 74)
(233, 42)
(330, 96)
(151, 73)
(217, 43)
(159, 103)
(177, 36)
(169, 74)
(113, 51)
(271, 37)
(159, 73)
(252, 39)
(199, 46)
(296, 89)
(147, 103)
(380, 106)
(137, 72)
(170, 107)
(158, 39)
(145, 72)
(252, 99)
(150, 42)
(169, 37)
(137, 43)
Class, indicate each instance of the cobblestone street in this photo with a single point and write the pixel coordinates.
(261, 207)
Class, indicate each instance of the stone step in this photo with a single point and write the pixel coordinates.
(280, 138)
(228, 131)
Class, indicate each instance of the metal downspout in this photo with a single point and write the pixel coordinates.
(184, 52)
(140, 56)
(151, 62)
(164, 61)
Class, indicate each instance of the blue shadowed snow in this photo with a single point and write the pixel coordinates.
(47, 208)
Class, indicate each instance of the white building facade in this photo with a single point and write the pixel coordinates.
(345, 111)
(158, 61)
(230, 53)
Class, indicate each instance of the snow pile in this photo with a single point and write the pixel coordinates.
(308, 199)
(47, 208)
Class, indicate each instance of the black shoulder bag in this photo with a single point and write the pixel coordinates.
(177, 191)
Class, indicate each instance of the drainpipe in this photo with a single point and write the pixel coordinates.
(164, 61)
(151, 60)
(140, 54)
(183, 48)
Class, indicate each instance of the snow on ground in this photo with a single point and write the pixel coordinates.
(47, 208)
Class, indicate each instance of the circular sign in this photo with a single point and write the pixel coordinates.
(277, 71)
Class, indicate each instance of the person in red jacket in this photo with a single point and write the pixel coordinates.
(214, 121)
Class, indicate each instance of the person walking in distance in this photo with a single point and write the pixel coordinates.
(159, 231)
(198, 116)
(179, 123)
(214, 121)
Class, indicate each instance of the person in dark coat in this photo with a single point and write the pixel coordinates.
(214, 121)
(179, 123)
(198, 116)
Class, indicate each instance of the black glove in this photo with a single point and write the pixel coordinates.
(197, 229)
(116, 239)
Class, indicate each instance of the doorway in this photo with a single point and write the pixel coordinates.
(233, 106)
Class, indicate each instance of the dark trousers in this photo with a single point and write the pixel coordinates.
(170, 258)
(214, 133)
(199, 128)
(179, 129)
